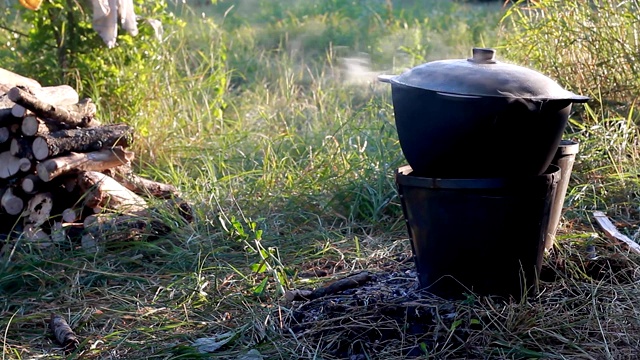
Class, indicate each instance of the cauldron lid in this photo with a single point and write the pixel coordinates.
(482, 75)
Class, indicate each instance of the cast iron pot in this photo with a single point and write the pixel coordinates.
(456, 118)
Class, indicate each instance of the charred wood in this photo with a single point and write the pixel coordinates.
(81, 140)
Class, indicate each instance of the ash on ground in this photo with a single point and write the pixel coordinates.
(387, 316)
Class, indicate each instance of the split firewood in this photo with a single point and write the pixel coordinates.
(612, 232)
(11, 165)
(140, 185)
(91, 161)
(63, 333)
(81, 140)
(333, 288)
(105, 192)
(12, 79)
(21, 148)
(39, 209)
(11, 203)
(69, 113)
(30, 183)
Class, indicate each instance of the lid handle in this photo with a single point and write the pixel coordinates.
(483, 56)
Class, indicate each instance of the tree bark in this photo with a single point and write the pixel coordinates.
(91, 161)
(81, 140)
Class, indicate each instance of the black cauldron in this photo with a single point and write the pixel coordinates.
(478, 117)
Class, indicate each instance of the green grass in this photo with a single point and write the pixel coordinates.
(268, 117)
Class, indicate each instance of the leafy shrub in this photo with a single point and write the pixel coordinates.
(589, 47)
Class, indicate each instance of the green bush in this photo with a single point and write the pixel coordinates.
(589, 47)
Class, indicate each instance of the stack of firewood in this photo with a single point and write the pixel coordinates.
(62, 171)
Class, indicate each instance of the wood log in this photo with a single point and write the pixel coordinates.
(21, 147)
(333, 288)
(32, 126)
(79, 114)
(12, 79)
(91, 161)
(105, 192)
(39, 209)
(140, 185)
(5, 114)
(63, 333)
(5, 134)
(11, 165)
(18, 111)
(11, 203)
(81, 140)
(30, 183)
(70, 215)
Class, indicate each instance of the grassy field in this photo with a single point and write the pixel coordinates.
(268, 117)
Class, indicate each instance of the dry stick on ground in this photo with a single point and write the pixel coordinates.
(80, 114)
(91, 161)
(105, 192)
(63, 333)
(613, 233)
(81, 140)
(333, 288)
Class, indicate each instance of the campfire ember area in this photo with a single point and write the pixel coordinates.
(64, 174)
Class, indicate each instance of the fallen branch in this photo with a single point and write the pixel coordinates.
(612, 232)
(63, 333)
(350, 282)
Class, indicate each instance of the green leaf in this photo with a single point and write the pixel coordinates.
(260, 289)
(259, 268)
(455, 324)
